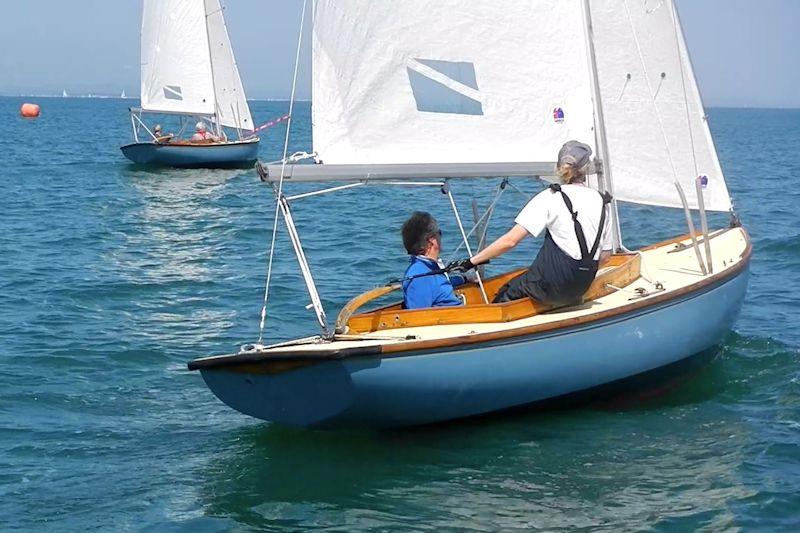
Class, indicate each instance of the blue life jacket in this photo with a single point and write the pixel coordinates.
(429, 291)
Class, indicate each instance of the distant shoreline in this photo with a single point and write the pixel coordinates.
(112, 97)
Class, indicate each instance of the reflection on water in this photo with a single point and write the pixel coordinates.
(179, 225)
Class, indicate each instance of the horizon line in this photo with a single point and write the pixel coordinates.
(283, 99)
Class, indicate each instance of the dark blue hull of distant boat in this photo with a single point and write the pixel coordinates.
(222, 155)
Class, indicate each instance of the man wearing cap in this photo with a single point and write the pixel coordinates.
(577, 235)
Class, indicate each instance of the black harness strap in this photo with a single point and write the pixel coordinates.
(586, 255)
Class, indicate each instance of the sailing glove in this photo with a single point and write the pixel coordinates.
(460, 265)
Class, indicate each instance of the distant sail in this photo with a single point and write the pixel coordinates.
(123, 94)
(64, 93)
(187, 62)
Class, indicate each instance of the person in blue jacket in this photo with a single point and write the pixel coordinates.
(422, 239)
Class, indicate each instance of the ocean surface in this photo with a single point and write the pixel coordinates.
(113, 277)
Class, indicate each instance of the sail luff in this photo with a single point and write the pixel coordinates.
(605, 176)
(217, 124)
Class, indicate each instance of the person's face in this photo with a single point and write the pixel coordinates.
(435, 244)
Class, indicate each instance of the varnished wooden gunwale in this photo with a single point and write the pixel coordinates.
(653, 301)
(261, 363)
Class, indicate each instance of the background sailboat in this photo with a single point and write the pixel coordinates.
(454, 90)
(189, 70)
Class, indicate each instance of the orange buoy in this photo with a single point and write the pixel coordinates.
(29, 110)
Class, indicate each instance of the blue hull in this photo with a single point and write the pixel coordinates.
(427, 387)
(233, 154)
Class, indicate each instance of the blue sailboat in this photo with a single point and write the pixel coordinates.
(189, 71)
(438, 106)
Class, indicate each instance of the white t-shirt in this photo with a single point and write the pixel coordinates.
(548, 210)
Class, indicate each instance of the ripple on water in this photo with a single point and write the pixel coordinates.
(113, 277)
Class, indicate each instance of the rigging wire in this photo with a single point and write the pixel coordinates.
(487, 213)
(279, 192)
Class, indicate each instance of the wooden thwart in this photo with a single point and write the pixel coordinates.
(619, 270)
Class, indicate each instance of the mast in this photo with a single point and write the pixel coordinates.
(605, 181)
(211, 62)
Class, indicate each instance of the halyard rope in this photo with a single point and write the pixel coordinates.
(279, 193)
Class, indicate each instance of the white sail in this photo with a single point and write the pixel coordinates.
(232, 108)
(647, 83)
(448, 81)
(176, 66)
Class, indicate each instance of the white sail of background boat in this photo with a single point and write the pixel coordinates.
(122, 94)
(64, 93)
(189, 70)
(425, 92)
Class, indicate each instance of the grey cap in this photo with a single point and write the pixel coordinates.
(575, 153)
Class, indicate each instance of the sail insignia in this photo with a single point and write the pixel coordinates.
(444, 86)
(173, 92)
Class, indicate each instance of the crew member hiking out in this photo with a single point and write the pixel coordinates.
(577, 236)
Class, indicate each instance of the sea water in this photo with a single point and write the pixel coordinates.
(113, 277)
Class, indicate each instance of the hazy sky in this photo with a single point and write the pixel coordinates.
(745, 52)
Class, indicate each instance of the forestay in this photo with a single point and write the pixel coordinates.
(655, 123)
(448, 81)
(232, 108)
(176, 67)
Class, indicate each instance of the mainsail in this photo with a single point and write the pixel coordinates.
(455, 83)
(187, 62)
(447, 81)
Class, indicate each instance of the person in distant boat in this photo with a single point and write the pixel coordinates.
(577, 236)
(422, 239)
(161, 137)
(202, 134)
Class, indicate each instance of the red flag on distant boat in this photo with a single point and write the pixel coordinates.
(271, 123)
